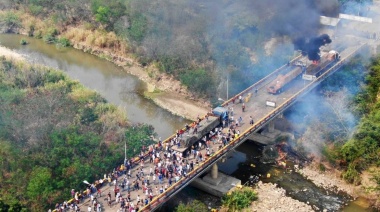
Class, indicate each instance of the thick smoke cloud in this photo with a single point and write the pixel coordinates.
(293, 18)
(311, 46)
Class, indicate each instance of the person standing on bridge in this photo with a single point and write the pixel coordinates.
(240, 99)
(109, 198)
(72, 193)
(195, 131)
(243, 107)
(251, 120)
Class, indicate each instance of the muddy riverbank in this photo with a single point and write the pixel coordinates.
(162, 89)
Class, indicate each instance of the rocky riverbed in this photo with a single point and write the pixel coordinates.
(329, 180)
(272, 198)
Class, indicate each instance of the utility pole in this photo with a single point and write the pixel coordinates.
(125, 152)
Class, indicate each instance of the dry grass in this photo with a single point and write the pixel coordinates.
(96, 39)
(32, 23)
(77, 35)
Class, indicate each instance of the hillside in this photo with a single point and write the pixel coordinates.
(185, 39)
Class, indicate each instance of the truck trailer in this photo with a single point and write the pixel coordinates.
(277, 85)
(310, 72)
(314, 70)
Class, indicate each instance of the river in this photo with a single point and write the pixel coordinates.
(114, 84)
(126, 90)
(245, 161)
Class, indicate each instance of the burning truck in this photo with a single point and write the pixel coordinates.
(311, 72)
(311, 48)
(315, 69)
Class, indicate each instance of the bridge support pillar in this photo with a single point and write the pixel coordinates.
(214, 171)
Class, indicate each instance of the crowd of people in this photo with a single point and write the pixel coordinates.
(136, 183)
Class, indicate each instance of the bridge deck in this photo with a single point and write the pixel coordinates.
(255, 107)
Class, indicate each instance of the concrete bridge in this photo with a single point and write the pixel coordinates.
(259, 104)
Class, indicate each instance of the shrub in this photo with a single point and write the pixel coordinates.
(322, 167)
(31, 30)
(23, 42)
(35, 9)
(239, 199)
(63, 42)
(352, 175)
(48, 38)
(198, 80)
(193, 206)
(11, 20)
(138, 28)
(38, 34)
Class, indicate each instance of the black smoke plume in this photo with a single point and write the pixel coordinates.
(310, 47)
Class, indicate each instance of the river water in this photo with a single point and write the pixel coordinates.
(109, 80)
(245, 161)
(126, 91)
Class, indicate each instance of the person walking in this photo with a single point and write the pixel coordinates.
(251, 120)
(243, 107)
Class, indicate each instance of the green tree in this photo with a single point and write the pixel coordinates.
(138, 136)
(108, 12)
(138, 27)
(40, 185)
(102, 14)
(198, 80)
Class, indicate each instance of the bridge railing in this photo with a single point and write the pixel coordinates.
(161, 198)
(259, 83)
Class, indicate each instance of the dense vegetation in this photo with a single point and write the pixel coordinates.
(54, 133)
(362, 150)
(182, 38)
